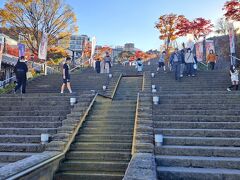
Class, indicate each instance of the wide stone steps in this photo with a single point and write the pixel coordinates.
(9, 157)
(78, 165)
(104, 138)
(27, 131)
(198, 112)
(21, 147)
(20, 138)
(198, 125)
(196, 107)
(98, 155)
(92, 175)
(196, 118)
(108, 130)
(34, 108)
(208, 151)
(35, 113)
(199, 132)
(30, 124)
(102, 148)
(201, 101)
(201, 141)
(112, 123)
(198, 162)
(179, 173)
(30, 118)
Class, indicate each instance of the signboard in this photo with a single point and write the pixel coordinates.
(21, 50)
(42, 52)
(209, 46)
(232, 38)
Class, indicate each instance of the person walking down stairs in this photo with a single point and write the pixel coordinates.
(107, 62)
(66, 76)
(175, 61)
(139, 65)
(212, 59)
(234, 78)
(161, 61)
(189, 59)
(21, 70)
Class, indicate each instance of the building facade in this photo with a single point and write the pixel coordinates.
(129, 47)
(77, 43)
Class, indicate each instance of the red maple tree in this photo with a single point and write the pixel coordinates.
(200, 27)
(232, 9)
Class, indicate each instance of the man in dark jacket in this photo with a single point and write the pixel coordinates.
(176, 60)
(21, 70)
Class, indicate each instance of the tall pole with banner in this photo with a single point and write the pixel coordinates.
(232, 42)
(21, 49)
(1, 54)
(42, 52)
(94, 42)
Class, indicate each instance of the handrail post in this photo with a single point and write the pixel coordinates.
(135, 125)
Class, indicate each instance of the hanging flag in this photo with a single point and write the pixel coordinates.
(94, 43)
(209, 46)
(232, 38)
(42, 52)
(1, 54)
(199, 51)
(21, 49)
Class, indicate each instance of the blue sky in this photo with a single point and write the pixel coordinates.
(115, 22)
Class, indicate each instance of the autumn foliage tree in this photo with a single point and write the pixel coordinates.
(200, 27)
(33, 17)
(168, 27)
(232, 10)
(57, 53)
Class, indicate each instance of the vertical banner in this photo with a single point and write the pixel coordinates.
(199, 51)
(42, 52)
(1, 54)
(209, 46)
(21, 49)
(94, 43)
(232, 38)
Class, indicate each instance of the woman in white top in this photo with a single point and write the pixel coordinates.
(234, 78)
(189, 60)
(161, 62)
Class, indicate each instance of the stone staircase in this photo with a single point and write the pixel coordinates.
(84, 80)
(199, 121)
(23, 118)
(102, 148)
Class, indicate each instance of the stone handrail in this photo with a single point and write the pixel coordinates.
(115, 89)
(135, 126)
(7, 81)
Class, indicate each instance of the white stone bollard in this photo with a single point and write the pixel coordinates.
(158, 139)
(44, 138)
(153, 86)
(153, 75)
(73, 101)
(110, 75)
(155, 100)
(104, 88)
(154, 90)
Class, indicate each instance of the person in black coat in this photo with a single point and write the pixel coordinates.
(21, 70)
